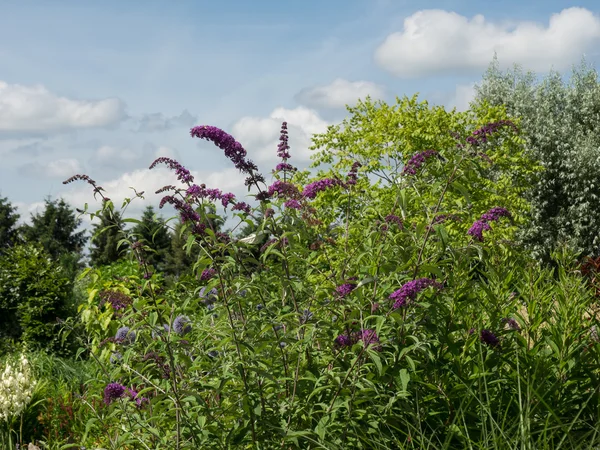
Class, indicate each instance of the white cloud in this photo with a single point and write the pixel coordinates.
(109, 156)
(339, 93)
(463, 95)
(435, 41)
(160, 122)
(34, 109)
(59, 168)
(260, 135)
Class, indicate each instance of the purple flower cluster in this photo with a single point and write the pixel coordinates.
(232, 148)
(345, 289)
(293, 204)
(125, 336)
(481, 225)
(311, 190)
(283, 189)
(368, 337)
(113, 391)
(195, 191)
(417, 161)
(116, 299)
(275, 241)
(392, 218)
(353, 174)
(207, 274)
(481, 135)
(181, 325)
(489, 338)
(283, 147)
(441, 218)
(183, 174)
(511, 323)
(409, 291)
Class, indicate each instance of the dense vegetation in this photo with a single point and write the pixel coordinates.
(415, 289)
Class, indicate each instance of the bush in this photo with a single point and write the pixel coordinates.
(383, 313)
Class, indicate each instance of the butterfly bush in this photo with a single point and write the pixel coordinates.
(16, 388)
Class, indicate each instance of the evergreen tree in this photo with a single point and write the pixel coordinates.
(153, 233)
(34, 292)
(9, 235)
(56, 230)
(560, 122)
(106, 235)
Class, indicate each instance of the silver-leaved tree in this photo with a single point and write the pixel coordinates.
(560, 120)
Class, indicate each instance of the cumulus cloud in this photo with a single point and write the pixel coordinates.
(34, 109)
(114, 157)
(59, 168)
(260, 135)
(160, 122)
(463, 96)
(339, 93)
(436, 41)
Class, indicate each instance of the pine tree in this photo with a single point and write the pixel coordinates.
(153, 233)
(106, 236)
(56, 230)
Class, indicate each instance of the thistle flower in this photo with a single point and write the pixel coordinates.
(417, 161)
(181, 325)
(409, 291)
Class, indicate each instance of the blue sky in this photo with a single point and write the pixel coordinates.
(103, 88)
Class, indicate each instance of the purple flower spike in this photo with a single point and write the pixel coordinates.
(294, 204)
(183, 174)
(478, 228)
(345, 289)
(417, 161)
(283, 147)
(232, 148)
(311, 190)
(409, 291)
(113, 391)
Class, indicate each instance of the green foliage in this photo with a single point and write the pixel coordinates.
(154, 234)
(8, 220)
(559, 122)
(56, 230)
(34, 293)
(316, 350)
(106, 235)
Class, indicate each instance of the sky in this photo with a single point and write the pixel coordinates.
(104, 87)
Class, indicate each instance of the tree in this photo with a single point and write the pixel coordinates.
(153, 233)
(55, 229)
(8, 220)
(106, 235)
(559, 121)
(34, 292)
